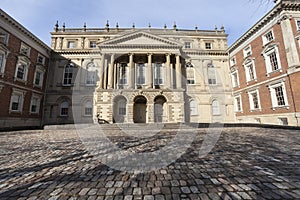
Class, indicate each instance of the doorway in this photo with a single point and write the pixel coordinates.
(140, 109)
(159, 108)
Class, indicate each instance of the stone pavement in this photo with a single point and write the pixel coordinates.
(245, 163)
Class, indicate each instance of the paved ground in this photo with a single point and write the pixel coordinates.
(245, 163)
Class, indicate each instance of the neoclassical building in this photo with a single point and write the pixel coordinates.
(138, 75)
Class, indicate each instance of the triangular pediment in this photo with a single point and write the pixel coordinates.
(139, 38)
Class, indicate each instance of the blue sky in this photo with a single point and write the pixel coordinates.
(39, 16)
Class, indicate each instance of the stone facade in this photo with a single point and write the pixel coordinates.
(132, 75)
(264, 65)
(23, 72)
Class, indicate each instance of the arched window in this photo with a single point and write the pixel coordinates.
(64, 108)
(190, 73)
(68, 74)
(91, 74)
(88, 108)
(193, 107)
(215, 107)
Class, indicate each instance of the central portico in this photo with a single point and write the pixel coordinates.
(141, 79)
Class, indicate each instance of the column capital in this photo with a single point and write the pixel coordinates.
(149, 54)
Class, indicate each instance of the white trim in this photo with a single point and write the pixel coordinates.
(247, 51)
(250, 95)
(21, 94)
(236, 71)
(266, 53)
(235, 104)
(264, 37)
(274, 97)
(38, 97)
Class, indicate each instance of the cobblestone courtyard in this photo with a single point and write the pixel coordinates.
(245, 163)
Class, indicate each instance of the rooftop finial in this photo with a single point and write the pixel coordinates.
(84, 27)
(107, 26)
(149, 25)
(133, 25)
(175, 26)
(56, 26)
(196, 28)
(117, 26)
(223, 29)
(64, 27)
(165, 26)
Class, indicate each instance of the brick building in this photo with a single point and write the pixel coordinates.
(265, 68)
(23, 71)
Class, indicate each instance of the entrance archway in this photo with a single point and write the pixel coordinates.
(119, 109)
(140, 109)
(159, 108)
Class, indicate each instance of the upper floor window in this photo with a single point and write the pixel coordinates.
(190, 73)
(208, 45)
(278, 95)
(247, 51)
(68, 74)
(140, 74)
(2, 57)
(268, 37)
(187, 45)
(41, 59)
(35, 104)
(232, 61)
(235, 78)
(250, 70)
(123, 74)
(254, 100)
(25, 50)
(39, 76)
(71, 44)
(298, 24)
(93, 44)
(211, 72)
(91, 74)
(3, 37)
(158, 74)
(272, 59)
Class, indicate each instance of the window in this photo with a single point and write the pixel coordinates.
(122, 107)
(278, 95)
(123, 74)
(35, 104)
(193, 107)
(238, 104)
(158, 74)
(16, 103)
(140, 74)
(187, 45)
(190, 73)
(247, 51)
(3, 37)
(64, 108)
(68, 74)
(208, 45)
(38, 78)
(268, 37)
(25, 50)
(93, 44)
(91, 74)
(298, 24)
(254, 100)
(250, 70)
(212, 80)
(232, 61)
(272, 59)
(71, 44)
(235, 79)
(215, 107)
(2, 56)
(41, 59)
(88, 108)
(21, 71)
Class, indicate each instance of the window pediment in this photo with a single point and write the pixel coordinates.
(270, 48)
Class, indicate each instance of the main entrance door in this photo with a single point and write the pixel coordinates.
(139, 109)
(159, 108)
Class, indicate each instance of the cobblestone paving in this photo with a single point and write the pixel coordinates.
(246, 163)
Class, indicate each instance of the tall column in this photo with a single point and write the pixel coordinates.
(111, 71)
(105, 74)
(168, 71)
(178, 72)
(115, 77)
(101, 71)
(150, 73)
(131, 72)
